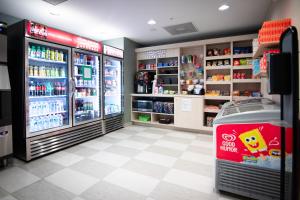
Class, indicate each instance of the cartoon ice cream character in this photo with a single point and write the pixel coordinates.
(254, 141)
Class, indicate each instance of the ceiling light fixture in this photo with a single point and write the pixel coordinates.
(223, 7)
(151, 22)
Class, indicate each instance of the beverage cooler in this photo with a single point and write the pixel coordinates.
(56, 87)
(113, 108)
(247, 138)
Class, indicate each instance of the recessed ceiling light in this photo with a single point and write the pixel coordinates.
(223, 7)
(151, 22)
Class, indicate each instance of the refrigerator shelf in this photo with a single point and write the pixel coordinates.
(78, 113)
(112, 95)
(54, 96)
(86, 97)
(109, 76)
(80, 75)
(45, 77)
(51, 113)
(47, 61)
(80, 65)
(82, 86)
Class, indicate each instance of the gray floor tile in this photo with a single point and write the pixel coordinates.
(81, 151)
(3, 193)
(166, 191)
(206, 137)
(176, 139)
(203, 150)
(142, 139)
(146, 168)
(107, 191)
(109, 140)
(42, 167)
(9, 197)
(205, 170)
(93, 168)
(43, 190)
(121, 150)
(157, 130)
(164, 151)
(14, 178)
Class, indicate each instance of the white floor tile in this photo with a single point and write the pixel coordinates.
(166, 161)
(202, 144)
(8, 198)
(64, 158)
(198, 158)
(13, 179)
(182, 135)
(78, 198)
(121, 136)
(171, 145)
(133, 144)
(94, 144)
(72, 181)
(190, 180)
(150, 135)
(132, 181)
(110, 159)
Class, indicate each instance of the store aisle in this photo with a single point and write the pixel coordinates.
(134, 163)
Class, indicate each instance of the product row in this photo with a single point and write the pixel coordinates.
(85, 92)
(170, 63)
(112, 108)
(246, 93)
(81, 105)
(46, 107)
(147, 66)
(80, 82)
(163, 107)
(242, 61)
(215, 63)
(218, 52)
(219, 77)
(47, 88)
(46, 122)
(42, 52)
(46, 71)
(111, 72)
(82, 59)
(191, 59)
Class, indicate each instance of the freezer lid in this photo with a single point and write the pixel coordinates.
(254, 110)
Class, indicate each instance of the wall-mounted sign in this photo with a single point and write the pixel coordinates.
(111, 51)
(87, 73)
(43, 32)
(156, 53)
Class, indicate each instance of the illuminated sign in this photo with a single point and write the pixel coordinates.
(111, 51)
(43, 32)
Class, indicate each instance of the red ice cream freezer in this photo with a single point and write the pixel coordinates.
(248, 147)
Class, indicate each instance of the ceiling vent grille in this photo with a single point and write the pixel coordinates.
(55, 2)
(181, 28)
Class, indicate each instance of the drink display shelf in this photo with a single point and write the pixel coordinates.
(50, 113)
(80, 75)
(243, 55)
(46, 77)
(77, 113)
(53, 96)
(48, 61)
(86, 97)
(83, 86)
(218, 67)
(80, 65)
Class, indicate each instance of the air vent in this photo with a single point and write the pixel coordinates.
(55, 2)
(181, 28)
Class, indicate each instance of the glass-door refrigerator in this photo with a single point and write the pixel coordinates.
(87, 94)
(55, 81)
(112, 88)
(47, 96)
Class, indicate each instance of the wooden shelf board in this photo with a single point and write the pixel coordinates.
(242, 67)
(246, 55)
(218, 82)
(264, 46)
(217, 57)
(155, 113)
(153, 95)
(217, 67)
(168, 67)
(246, 80)
(145, 112)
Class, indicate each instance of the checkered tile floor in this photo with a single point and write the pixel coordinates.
(134, 163)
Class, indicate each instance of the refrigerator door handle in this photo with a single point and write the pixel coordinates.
(73, 86)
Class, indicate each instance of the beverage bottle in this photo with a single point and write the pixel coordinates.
(61, 120)
(59, 88)
(52, 71)
(31, 91)
(48, 71)
(38, 52)
(44, 88)
(75, 70)
(35, 71)
(37, 89)
(61, 55)
(80, 81)
(31, 70)
(63, 89)
(62, 72)
(43, 54)
(32, 52)
(39, 70)
(29, 50)
(52, 54)
(47, 55)
(56, 55)
(56, 72)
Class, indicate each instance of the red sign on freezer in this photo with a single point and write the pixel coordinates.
(255, 144)
(111, 51)
(40, 31)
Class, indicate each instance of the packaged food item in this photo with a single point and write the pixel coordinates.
(209, 52)
(220, 62)
(226, 62)
(208, 63)
(216, 52)
(236, 62)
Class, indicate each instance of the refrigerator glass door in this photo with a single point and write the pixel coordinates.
(86, 74)
(47, 87)
(112, 73)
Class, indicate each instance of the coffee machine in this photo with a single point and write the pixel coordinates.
(143, 82)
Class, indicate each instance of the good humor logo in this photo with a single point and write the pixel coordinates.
(228, 143)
